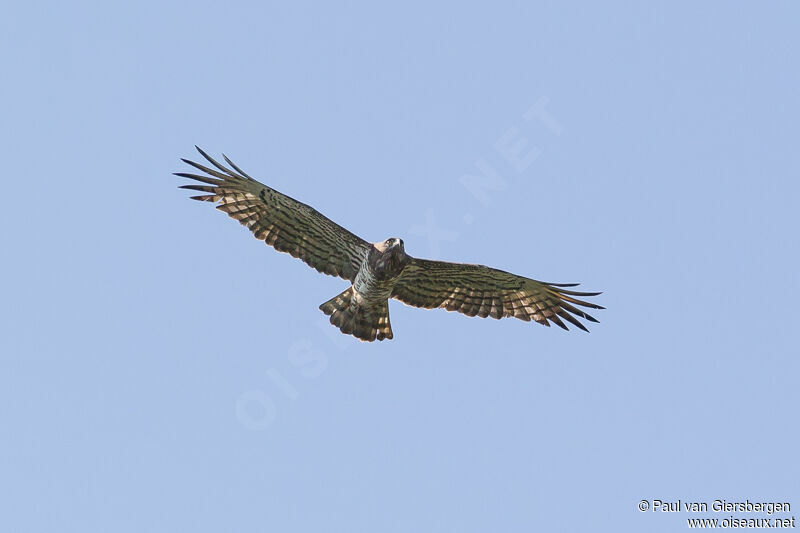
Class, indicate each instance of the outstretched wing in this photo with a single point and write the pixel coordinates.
(483, 291)
(280, 221)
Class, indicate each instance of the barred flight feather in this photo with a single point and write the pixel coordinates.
(279, 220)
(484, 291)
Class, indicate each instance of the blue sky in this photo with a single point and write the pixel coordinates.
(162, 370)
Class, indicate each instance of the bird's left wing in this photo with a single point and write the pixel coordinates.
(280, 221)
(483, 291)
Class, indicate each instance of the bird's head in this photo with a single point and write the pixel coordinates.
(394, 243)
(391, 256)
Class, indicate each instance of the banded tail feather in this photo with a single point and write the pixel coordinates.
(366, 322)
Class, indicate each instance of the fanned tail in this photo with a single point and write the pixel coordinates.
(363, 322)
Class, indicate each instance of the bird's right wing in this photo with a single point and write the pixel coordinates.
(484, 291)
(280, 221)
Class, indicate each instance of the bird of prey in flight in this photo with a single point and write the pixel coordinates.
(382, 270)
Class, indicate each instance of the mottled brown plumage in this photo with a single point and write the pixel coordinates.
(477, 290)
(280, 221)
(381, 270)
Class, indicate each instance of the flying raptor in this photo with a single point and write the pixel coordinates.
(382, 270)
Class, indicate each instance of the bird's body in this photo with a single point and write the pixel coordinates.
(379, 271)
(365, 304)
